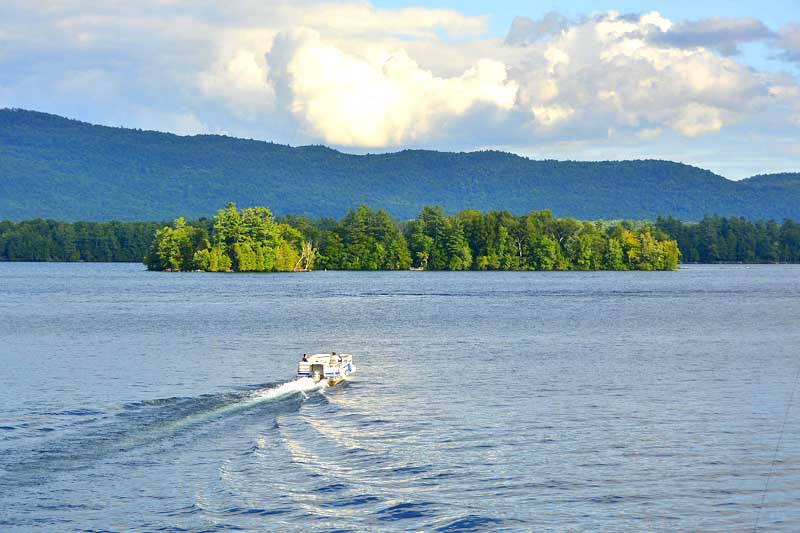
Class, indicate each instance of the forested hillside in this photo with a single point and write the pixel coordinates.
(52, 167)
(50, 240)
(718, 239)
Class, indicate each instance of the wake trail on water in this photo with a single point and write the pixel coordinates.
(147, 423)
(249, 401)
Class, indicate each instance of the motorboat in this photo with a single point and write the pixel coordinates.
(332, 367)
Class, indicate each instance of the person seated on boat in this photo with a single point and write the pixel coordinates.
(336, 358)
(305, 358)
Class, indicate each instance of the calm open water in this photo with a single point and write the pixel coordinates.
(137, 401)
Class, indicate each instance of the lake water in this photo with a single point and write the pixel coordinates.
(138, 401)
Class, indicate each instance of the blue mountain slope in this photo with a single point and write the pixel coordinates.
(55, 167)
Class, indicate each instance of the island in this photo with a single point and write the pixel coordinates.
(251, 240)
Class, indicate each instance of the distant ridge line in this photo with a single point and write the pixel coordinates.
(54, 167)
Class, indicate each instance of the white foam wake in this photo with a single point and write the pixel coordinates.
(301, 385)
(286, 389)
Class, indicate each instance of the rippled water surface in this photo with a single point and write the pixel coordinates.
(136, 401)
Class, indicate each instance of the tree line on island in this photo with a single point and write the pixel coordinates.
(370, 239)
(251, 240)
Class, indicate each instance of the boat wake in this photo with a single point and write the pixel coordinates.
(166, 422)
(240, 404)
(301, 385)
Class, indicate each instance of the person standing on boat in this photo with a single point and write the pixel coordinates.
(305, 358)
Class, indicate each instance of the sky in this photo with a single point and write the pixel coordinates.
(713, 84)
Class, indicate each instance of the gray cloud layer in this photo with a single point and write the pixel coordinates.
(789, 42)
(719, 33)
(525, 30)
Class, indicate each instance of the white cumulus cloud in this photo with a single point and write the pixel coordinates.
(610, 71)
(241, 80)
(382, 98)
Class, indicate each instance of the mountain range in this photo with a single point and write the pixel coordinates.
(54, 167)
